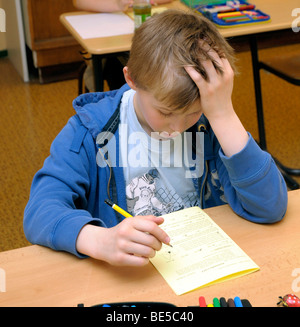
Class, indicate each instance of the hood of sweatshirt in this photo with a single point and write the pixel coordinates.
(89, 108)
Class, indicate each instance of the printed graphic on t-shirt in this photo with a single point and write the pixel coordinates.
(148, 195)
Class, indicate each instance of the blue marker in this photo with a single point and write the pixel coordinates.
(238, 302)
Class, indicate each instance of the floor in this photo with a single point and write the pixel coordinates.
(32, 114)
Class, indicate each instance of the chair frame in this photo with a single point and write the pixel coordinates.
(287, 172)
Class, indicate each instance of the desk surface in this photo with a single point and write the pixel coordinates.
(280, 12)
(37, 276)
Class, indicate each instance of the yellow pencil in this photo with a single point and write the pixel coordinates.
(121, 211)
(118, 209)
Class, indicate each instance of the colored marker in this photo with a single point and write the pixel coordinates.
(246, 303)
(260, 17)
(230, 14)
(234, 17)
(227, 10)
(216, 302)
(238, 302)
(202, 302)
(223, 302)
(246, 7)
(230, 303)
(237, 20)
(251, 13)
(210, 305)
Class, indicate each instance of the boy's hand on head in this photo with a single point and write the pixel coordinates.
(216, 91)
(216, 103)
(130, 243)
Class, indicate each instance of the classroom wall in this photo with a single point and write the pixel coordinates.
(2, 36)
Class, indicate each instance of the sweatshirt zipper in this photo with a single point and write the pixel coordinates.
(202, 185)
(202, 128)
(110, 173)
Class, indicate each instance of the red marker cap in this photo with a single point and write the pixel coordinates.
(202, 302)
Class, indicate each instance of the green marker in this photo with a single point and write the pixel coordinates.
(216, 302)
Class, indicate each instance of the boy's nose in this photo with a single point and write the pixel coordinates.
(178, 125)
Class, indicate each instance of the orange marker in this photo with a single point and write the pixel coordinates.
(230, 14)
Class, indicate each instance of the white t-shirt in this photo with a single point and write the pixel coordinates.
(154, 170)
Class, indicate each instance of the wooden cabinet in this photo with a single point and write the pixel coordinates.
(51, 44)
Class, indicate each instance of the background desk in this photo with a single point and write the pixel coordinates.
(281, 18)
(37, 276)
(102, 47)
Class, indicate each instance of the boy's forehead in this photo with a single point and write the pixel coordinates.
(165, 109)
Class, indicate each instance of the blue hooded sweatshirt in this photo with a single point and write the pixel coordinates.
(68, 192)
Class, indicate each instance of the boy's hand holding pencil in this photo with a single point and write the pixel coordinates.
(130, 243)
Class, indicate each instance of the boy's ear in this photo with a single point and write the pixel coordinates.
(128, 78)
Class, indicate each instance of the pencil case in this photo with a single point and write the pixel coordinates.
(232, 13)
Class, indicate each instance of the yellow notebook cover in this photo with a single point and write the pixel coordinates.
(201, 254)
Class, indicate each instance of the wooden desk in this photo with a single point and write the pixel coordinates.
(106, 45)
(102, 47)
(280, 12)
(37, 276)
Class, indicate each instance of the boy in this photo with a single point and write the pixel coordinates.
(125, 145)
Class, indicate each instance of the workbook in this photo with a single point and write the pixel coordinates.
(201, 253)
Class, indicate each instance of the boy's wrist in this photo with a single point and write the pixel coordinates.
(229, 131)
(220, 115)
(85, 243)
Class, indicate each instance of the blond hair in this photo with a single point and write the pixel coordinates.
(163, 45)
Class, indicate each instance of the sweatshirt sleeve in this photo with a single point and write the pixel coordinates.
(61, 186)
(253, 185)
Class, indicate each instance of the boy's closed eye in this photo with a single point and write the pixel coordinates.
(165, 114)
(194, 113)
